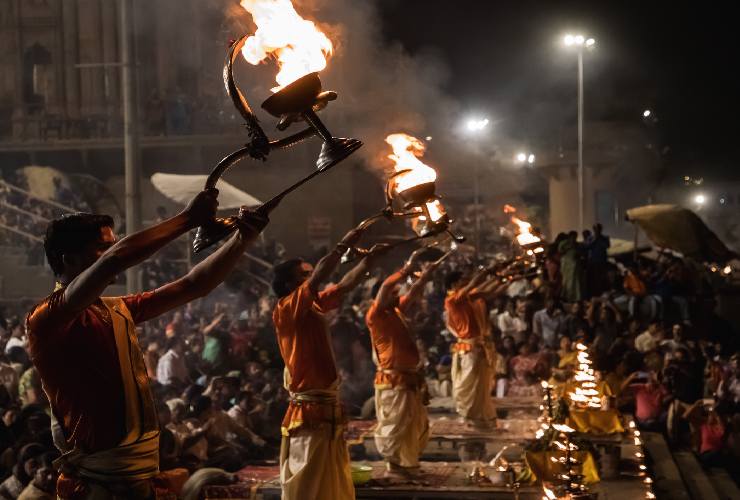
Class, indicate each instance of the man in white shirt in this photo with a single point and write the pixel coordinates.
(171, 368)
(650, 339)
(511, 324)
(547, 323)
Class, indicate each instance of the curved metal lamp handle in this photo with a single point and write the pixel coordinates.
(258, 148)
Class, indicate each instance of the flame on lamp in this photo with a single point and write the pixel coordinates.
(436, 210)
(297, 44)
(406, 153)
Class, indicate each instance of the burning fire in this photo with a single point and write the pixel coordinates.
(524, 236)
(298, 45)
(406, 153)
(436, 210)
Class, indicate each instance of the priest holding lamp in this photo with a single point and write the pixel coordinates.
(403, 426)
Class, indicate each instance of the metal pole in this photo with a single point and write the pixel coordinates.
(131, 134)
(580, 141)
(476, 201)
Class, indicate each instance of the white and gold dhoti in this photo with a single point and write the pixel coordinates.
(402, 431)
(472, 380)
(314, 460)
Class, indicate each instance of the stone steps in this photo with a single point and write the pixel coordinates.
(697, 481)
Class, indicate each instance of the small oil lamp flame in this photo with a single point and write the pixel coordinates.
(410, 193)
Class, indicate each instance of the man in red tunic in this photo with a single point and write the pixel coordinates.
(473, 353)
(314, 461)
(403, 426)
(85, 349)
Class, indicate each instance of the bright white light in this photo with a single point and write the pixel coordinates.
(579, 39)
(647, 113)
(530, 159)
(700, 199)
(429, 138)
(590, 42)
(727, 270)
(569, 40)
(521, 157)
(477, 124)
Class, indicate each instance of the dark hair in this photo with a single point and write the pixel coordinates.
(201, 405)
(70, 234)
(283, 273)
(452, 279)
(173, 342)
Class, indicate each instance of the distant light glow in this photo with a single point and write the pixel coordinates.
(700, 199)
(647, 113)
(722, 201)
(477, 124)
(521, 157)
(429, 138)
(530, 159)
(579, 40)
(727, 270)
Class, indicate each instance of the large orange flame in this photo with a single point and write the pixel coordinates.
(297, 44)
(406, 153)
(525, 235)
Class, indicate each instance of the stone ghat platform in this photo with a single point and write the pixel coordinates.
(436, 480)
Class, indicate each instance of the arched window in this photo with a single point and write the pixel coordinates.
(37, 77)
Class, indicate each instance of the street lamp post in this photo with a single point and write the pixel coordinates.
(581, 43)
(476, 126)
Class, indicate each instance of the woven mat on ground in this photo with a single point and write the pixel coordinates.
(250, 477)
(432, 475)
(357, 430)
(445, 427)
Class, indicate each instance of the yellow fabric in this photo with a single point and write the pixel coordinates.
(472, 379)
(402, 430)
(595, 421)
(544, 469)
(137, 456)
(314, 465)
(570, 386)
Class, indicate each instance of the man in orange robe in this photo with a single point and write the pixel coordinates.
(473, 355)
(402, 430)
(314, 460)
(85, 349)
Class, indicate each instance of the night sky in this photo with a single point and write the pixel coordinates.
(507, 59)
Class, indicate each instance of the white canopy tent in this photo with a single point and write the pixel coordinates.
(182, 188)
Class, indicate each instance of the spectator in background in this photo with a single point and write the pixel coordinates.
(571, 268)
(171, 368)
(548, 322)
(511, 323)
(597, 247)
(651, 399)
(650, 339)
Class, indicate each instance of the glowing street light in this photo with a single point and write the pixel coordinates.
(700, 199)
(578, 40)
(647, 113)
(477, 124)
(523, 157)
